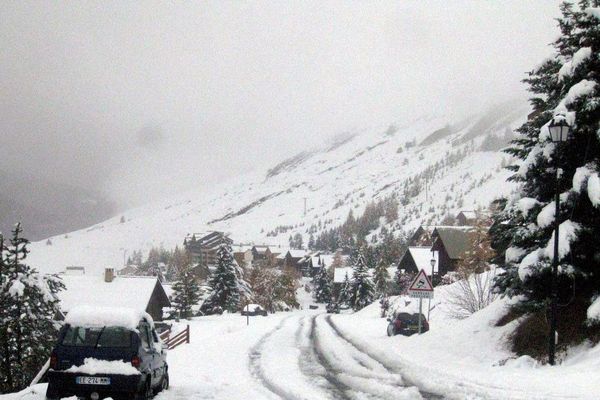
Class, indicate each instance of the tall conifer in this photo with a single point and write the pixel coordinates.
(566, 86)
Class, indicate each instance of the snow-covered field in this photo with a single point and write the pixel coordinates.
(309, 354)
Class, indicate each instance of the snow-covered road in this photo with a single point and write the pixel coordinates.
(306, 357)
(311, 355)
(297, 356)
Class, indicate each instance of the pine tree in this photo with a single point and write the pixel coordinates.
(323, 286)
(566, 86)
(285, 290)
(380, 279)
(362, 288)
(186, 293)
(226, 283)
(29, 304)
(345, 291)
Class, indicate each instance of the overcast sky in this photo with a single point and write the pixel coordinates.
(144, 99)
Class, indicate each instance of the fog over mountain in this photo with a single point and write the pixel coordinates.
(137, 101)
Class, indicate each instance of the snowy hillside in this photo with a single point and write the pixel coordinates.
(435, 165)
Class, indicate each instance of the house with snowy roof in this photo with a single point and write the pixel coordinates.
(451, 243)
(203, 246)
(421, 236)
(297, 259)
(466, 218)
(242, 253)
(143, 293)
(416, 258)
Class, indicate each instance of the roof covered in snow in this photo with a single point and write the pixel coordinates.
(295, 253)
(422, 257)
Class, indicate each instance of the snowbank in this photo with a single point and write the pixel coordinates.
(471, 358)
(106, 316)
(93, 366)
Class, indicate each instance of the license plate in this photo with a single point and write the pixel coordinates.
(92, 380)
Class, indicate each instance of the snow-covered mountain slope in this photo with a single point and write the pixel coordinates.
(435, 166)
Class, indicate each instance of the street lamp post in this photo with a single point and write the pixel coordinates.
(560, 132)
(432, 262)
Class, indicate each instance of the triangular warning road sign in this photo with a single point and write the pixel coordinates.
(421, 283)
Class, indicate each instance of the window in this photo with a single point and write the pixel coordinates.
(97, 337)
(145, 335)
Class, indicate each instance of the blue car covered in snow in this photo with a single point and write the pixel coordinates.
(107, 352)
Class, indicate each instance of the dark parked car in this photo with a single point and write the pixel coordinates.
(93, 361)
(254, 309)
(406, 324)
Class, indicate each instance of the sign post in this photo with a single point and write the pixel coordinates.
(421, 288)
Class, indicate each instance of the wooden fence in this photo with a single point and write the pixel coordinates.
(174, 341)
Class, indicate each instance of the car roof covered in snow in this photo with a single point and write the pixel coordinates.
(92, 290)
(98, 317)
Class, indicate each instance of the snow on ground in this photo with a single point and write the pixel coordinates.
(308, 354)
(470, 358)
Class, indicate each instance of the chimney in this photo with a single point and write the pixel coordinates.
(109, 274)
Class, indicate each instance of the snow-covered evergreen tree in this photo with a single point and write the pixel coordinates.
(226, 283)
(565, 87)
(186, 293)
(362, 289)
(380, 279)
(345, 291)
(323, 286)
(28, 306)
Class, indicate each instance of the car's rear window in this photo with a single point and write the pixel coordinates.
(97, 337)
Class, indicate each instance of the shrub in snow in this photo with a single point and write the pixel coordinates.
(567, 84)
(473, 290)
(273, 289)
(28, 305)
(403, 280)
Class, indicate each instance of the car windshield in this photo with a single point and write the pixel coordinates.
(97, 337)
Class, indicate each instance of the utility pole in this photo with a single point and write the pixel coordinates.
(305, 205)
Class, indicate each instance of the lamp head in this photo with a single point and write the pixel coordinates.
(560, 130)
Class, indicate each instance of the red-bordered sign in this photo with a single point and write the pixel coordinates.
(421, 286)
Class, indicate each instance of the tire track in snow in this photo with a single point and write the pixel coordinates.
(390, 369)
(338, 388)
(284, 367)
(255, 356)
(362, 375)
